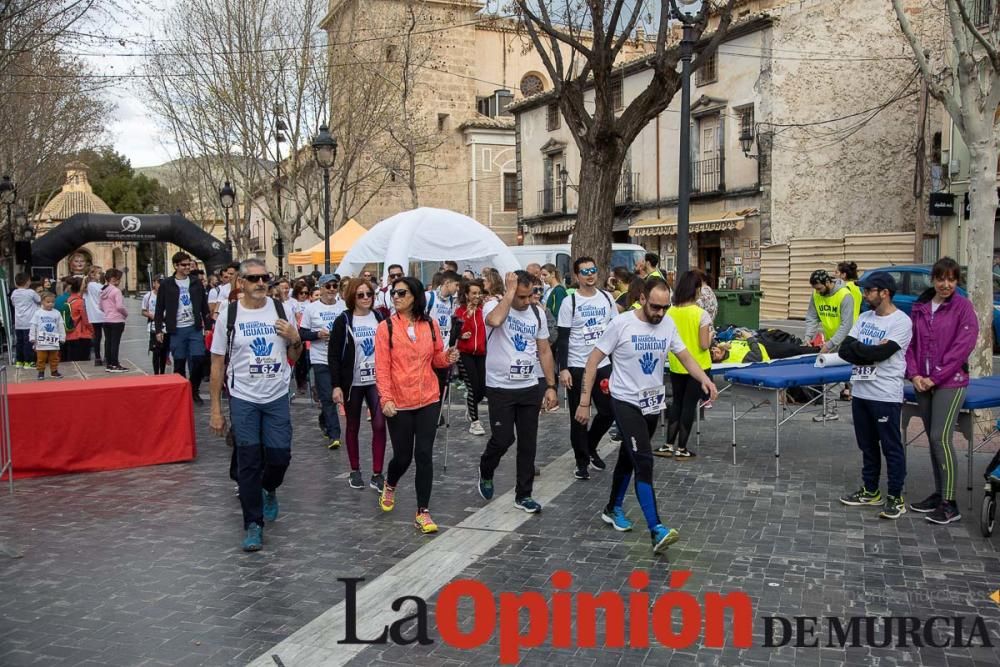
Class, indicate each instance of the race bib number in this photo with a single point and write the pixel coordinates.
(863, 373)
(522, 369)
(47, 338)
(366, 371)
(592, 334)
(651, 400)
(267, 370)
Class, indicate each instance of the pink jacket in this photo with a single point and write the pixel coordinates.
(113, 305)
(941, 351)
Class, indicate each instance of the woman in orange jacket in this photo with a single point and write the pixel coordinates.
(408, 347)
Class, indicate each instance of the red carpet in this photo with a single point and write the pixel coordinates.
(64, 426)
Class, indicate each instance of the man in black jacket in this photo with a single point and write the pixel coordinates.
(182, 313)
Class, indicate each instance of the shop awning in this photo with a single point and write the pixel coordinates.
(340, 242)
(556, 227)
(720, 221)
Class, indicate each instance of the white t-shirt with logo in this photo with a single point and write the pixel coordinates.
(640, 352)
(441, 309)
(220, 294)
(259, 371)
(884, 380)
(149, 304)
(317, 317)
(363, 333)
(512, 347)
(586, 324)
(294, 308)
(47, 329)
(185, 311)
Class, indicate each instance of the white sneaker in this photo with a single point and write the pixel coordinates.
(476, 428)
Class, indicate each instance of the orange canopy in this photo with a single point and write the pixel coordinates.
(340, 242)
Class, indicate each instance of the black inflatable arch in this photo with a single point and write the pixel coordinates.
(88, 227)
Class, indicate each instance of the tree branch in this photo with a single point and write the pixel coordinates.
(978, 36)
(942, 94)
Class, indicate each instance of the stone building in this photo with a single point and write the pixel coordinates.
(803, 126)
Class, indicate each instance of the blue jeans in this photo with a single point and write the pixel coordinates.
(328, 419)
(876, 426)
(263, 434)
(22, 346)
(187, 342)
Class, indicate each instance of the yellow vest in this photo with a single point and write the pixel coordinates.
(688, 321)
(855, 291)
(828, 309)
(739, 349)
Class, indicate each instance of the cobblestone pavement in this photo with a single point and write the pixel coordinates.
(142, 567)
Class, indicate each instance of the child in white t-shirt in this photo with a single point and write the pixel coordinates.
(47, 332)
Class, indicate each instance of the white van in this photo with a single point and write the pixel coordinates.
(622, 254)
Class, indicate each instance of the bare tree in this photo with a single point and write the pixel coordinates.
(578, 46)
(967, 83)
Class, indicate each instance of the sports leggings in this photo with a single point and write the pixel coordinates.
(472, 370)
(355, 402)
(939, 410)
(680, 417)
(635, 455)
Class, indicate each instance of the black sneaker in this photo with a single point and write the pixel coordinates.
(581, 473)
(196, 397)
(57, 375)
(355, 481)
(664, 450)
(895, 507)
(597, 463)
(863, 497)
(377, 482)
(946, 512)
(98, 363)
(928, 504)
(681, 454)
(614, 434)
(41, 376)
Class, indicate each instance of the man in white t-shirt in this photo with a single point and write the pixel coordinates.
(258, 348)
(517, 338)
(182, 314)
(441, 308)
(583, 316)
(316, 326)
(383, 300)
(876, 345)
(639, 340)
(218, 296)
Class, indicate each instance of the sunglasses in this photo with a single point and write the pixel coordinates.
(332, 285)
(538, 290)
(365, 295)
(589, 271)
(257, 277)
(656, 307)
(399, 293)
(395, 276)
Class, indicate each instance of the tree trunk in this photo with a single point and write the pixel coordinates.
(596, 211)
(979, 249)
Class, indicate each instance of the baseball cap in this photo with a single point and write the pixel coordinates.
(878, 280)
(327, 278)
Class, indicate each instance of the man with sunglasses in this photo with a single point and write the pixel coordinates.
(383, 299)
(258, 343)
(182, 313)
(517, 340)
(583, 316)
(639, 340)
(316, 326)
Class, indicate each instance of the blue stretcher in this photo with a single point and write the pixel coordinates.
(982, 394)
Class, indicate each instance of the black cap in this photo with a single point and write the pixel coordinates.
(878, 280)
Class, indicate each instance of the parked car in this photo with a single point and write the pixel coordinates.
(912, 280)
(622, 254)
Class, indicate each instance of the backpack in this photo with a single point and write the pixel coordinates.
(67, 314)
(348, 316)
(572, 303)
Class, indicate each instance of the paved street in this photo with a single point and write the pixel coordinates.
(143, 567)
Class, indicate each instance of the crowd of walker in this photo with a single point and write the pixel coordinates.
(383, 349)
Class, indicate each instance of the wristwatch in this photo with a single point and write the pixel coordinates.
(552, 387)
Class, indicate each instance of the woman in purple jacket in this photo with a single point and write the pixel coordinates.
(945, 330)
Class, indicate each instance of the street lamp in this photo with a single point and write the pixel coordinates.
(325, 152)
(564, 180)
(688, 40)
(227, 196)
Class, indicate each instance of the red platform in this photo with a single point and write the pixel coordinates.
(65, 426)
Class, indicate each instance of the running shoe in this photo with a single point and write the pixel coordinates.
(98, 362)
(946, 512)
(828, 417)
(270, 505)
(614, 434)
(377, 482)
(663, 537)
(863, 497)
(485, 488)
(994, 475)
(41, 376)
(597, 463)
(895, 507)
(387, 499)
(682, 453)
(254, 539)
(425, 523)
(356, 481)
(528, 505)
(334, 444)
(581, 473)
(476, 428)
(928, 504)
(57, 375)
(615, 517)
(664, 450)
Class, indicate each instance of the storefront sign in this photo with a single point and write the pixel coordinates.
(942, 203)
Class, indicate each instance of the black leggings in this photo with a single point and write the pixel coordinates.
(112, 341)
(472, 369)
(680, 417)
(412, 433)
(98, 332)
(635, 455)
(302, 372)
(160, 352)
(585, 440)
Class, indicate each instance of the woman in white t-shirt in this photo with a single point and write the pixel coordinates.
(351, 355)
(92, 287)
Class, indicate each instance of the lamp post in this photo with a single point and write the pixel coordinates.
(564, 182)
(8, 194)
(227, 197)
(325, 151)
(688, 40)
(279, 137)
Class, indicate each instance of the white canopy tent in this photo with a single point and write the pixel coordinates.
(429, 235)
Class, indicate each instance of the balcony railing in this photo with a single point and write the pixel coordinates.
(255, 244)
(980, 11)
(705, 175)
(550, 200)
(628, 189)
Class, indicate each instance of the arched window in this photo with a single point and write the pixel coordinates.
(532, 84)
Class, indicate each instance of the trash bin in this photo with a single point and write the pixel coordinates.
(739, 308)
